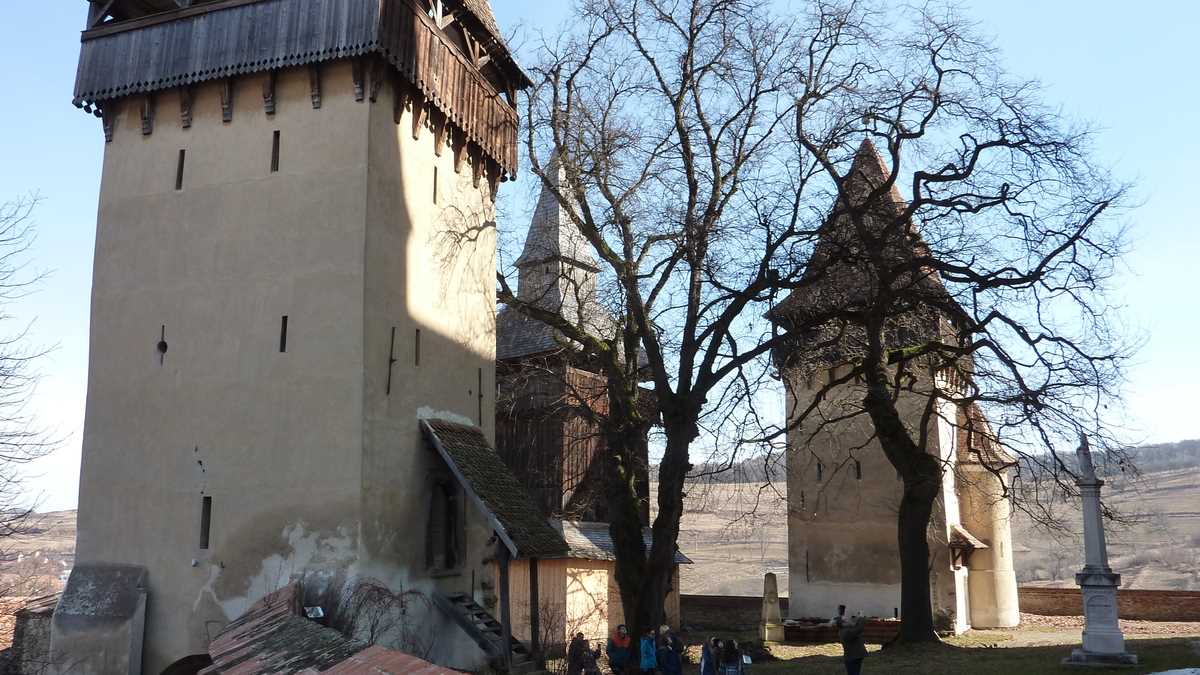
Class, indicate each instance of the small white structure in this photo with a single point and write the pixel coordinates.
(1103, 642)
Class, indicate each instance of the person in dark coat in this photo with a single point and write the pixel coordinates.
(577, 655)
(619, 650)
(731, 660)
(670, 651)
(854, 650)
(709, 653)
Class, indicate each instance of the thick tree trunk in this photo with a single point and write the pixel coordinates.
(643, 576)
(922, 477)
(916, 610)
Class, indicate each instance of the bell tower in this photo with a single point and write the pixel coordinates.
(295, 264)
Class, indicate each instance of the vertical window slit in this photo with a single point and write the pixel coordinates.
(858, 469)
(205, 522)
(480, 397)
(283, 326)
(820, 470)
(417, 349)
(275, 153)
(435, 185)
(391, 362)
(179, 170)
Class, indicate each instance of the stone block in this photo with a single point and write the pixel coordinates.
(99, 622)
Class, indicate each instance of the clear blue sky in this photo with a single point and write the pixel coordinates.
(1127, 67)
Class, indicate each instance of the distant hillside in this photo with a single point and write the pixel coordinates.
(1167, 456)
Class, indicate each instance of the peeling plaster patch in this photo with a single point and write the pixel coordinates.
(214, 573)
(305, 552)
(427, 413)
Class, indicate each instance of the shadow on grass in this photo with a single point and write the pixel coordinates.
(1154, 655)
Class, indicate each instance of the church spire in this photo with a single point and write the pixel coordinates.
(557, 267)
(552, 235)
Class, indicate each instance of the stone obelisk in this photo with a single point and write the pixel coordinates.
(1103, 642)
(772, 616)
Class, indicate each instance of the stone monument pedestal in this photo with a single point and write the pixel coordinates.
(772, 616)
(1103, 643)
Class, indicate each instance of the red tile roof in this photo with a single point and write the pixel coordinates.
(274, 637)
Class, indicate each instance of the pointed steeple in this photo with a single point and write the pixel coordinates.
(867, 172)
(552, 235)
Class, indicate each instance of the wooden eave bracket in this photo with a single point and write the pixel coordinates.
(148, 109)
(186, 101)
(227, 100)
(314, 84)
(358, 72)
(269, 92)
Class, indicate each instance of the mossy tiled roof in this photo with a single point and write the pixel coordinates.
(494, 488)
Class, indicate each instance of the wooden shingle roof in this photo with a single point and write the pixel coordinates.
(494, 489)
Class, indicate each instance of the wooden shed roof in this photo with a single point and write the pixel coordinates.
(494, 489)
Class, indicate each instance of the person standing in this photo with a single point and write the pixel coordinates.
(648, 660)
(709, 654)
(576, 654)
(731, 659)
(854, 650)
(670, 648)
(619, 650)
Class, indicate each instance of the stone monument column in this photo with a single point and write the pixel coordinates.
(772, 617)
(1103, 642)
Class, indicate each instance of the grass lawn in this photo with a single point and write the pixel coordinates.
(977, 653)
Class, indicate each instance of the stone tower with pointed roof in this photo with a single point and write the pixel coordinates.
(294, 266)
(843, 493)
(544, 382)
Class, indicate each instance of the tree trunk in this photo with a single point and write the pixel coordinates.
(922, 475)
(916, 610)
(644, 577)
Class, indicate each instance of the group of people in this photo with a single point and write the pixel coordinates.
(663, 654)
(721, 657)
(651, 654)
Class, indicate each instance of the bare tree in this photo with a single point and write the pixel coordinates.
(698, 146)
(21, 441)
(980, 293)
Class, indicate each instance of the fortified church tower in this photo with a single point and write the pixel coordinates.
(843, 493)
(294, 273)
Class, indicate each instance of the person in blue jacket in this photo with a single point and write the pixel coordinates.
(649, 661)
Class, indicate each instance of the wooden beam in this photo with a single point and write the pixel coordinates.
(314, 84)
(148, 106)
(378, 72)
(97, 10)
(269, 92)
(161, 17)
(186, 100)
(108, 120)
(505, 608)
(400, 102)
(358, 72)
(419, 108)
(227, 86)
(459, 141)
(441, 123)
(535, 619)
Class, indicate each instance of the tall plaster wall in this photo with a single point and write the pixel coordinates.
(311, 467)
(842, 546)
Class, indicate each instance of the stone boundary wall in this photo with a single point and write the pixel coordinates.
(1132, 604)
(723, 613)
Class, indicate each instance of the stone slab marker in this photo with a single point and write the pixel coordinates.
(1103, 642)
(772, 617)
(99, 622)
